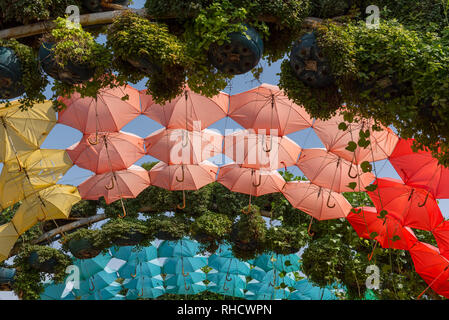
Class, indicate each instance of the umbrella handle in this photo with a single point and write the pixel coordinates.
(123, 208)
(91, 283)
(264, 144)
(185, 139)
(111, 186)
(95, 142)
(285, 165)
(182, 176)
(327, 204)
(311, 234)
(370, 256)
(224, 287)
(227, 277)
(248, 210)
(411, 194)
(141, 293)
(258, 184)
(425, 200)
(187, 287)
(183, 201)
(349, 172)
(135, 273)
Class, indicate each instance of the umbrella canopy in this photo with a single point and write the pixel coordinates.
(227, 284)
(228, 265)
(413, 207)
(279, 262)
(420, 169)
(138, 269)
(90, 267)
(305, 290)
(441, 234)
(109, 151)
(144, 287)
(115, 185)
(335, 140)
(191, 283)
(111, 292)
(183, 265)
(181, 248)
(109, 112)
(182, 111)
(24, 131)
(320, 203)
(94, 283)
(134, 254)
(269, 285)
(267, 108)
(431, 266)
(8, 237)
(331, 171)
(52, 203)
(390, 232)
(250, 181)
(177, 146)
(183, 176)
(56, 291)
(38, 170)
(259, 151)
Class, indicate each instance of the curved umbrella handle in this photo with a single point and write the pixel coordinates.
(187, 287)
(264, 144)
(123, 208)
(91, 282)
(258, 184)
(94, 142)
(224, 287)
(247, 210)
(135, 273)
(425, 200)
(349, 172)
(183, 201)
(110, 187)
(328, 199)
(183, 273)
(185, 139)
(285, 165)
(311, 234)
(182, 175)
(141, 293)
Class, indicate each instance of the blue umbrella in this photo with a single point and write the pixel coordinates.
(183, 265)
(269, 285)
(305, 290)
(56, 291)
(89, 267)
(228, 265)
(227, 284)
(280, 262)
(108, 293)
(137, 269)
(132, 254)
(191, 283)
(144, 287)
(264, 291)
(96, 282)
(181, 248)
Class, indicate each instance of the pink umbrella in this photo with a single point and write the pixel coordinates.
(179, 146)
(267, 107)
(115, 185)
(107, 151)
(336, 140)
(320, 203)
(184, 110)
(330, 171)
(250, 181)
(108, 113)
(259, 151)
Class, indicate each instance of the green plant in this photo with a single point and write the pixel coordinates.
(28, 280)
(211, 229)
(33, 81)
(148, 49)
(286, 240)
(168, 228)
(91, 239)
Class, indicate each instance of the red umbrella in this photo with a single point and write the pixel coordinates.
(390, 233)
(413, 207)
(107, 151)
(115, 185)
(431, 266)
(176, 146)
(336, 140)
(109, 112)
(318, 202)
(441, 234)
(182, 111)
(330, 171)
(259, 151)
(420, 169)
(267, 107)
(250, 181)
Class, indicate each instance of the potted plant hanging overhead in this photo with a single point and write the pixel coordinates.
(211, 229)
(125, 232)
(83, 243)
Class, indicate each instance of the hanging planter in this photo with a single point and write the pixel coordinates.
(96, 5)
(124, 232)
(239, 54)
(83, 243)
(309, 63)
(286, 240)
(168, 228)
(10, 74)
(211, 229)
(47, 266)
(7, 277)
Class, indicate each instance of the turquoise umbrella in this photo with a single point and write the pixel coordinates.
(108, 293)
(181, 248)
(56, 291)
(305, 290)
(269, 285)
(144, 287)
(228, 265)
(191, 283)
(96, 282)
(227, 284)
(264, 291)
(89, 267)
(280, 262)
(138, 269)
(183, 265)
(131, 254)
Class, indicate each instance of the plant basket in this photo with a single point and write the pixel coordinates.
(241, 54)
(7, 276)
(70, 74)
(83, 249)
(10, 74)
(133, 238)
(47, 266)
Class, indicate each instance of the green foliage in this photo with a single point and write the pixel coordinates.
(28, 280)
(92, 236)
(286, 240)
(210, 229)
(32, 80)
(168, 228)
(116, 230)
(135, 41)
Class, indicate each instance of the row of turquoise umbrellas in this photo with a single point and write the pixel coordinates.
(176, 267)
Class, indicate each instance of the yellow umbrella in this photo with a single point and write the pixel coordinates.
(52, 203)
(24, 131)
(8, 237)
(38, 169)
